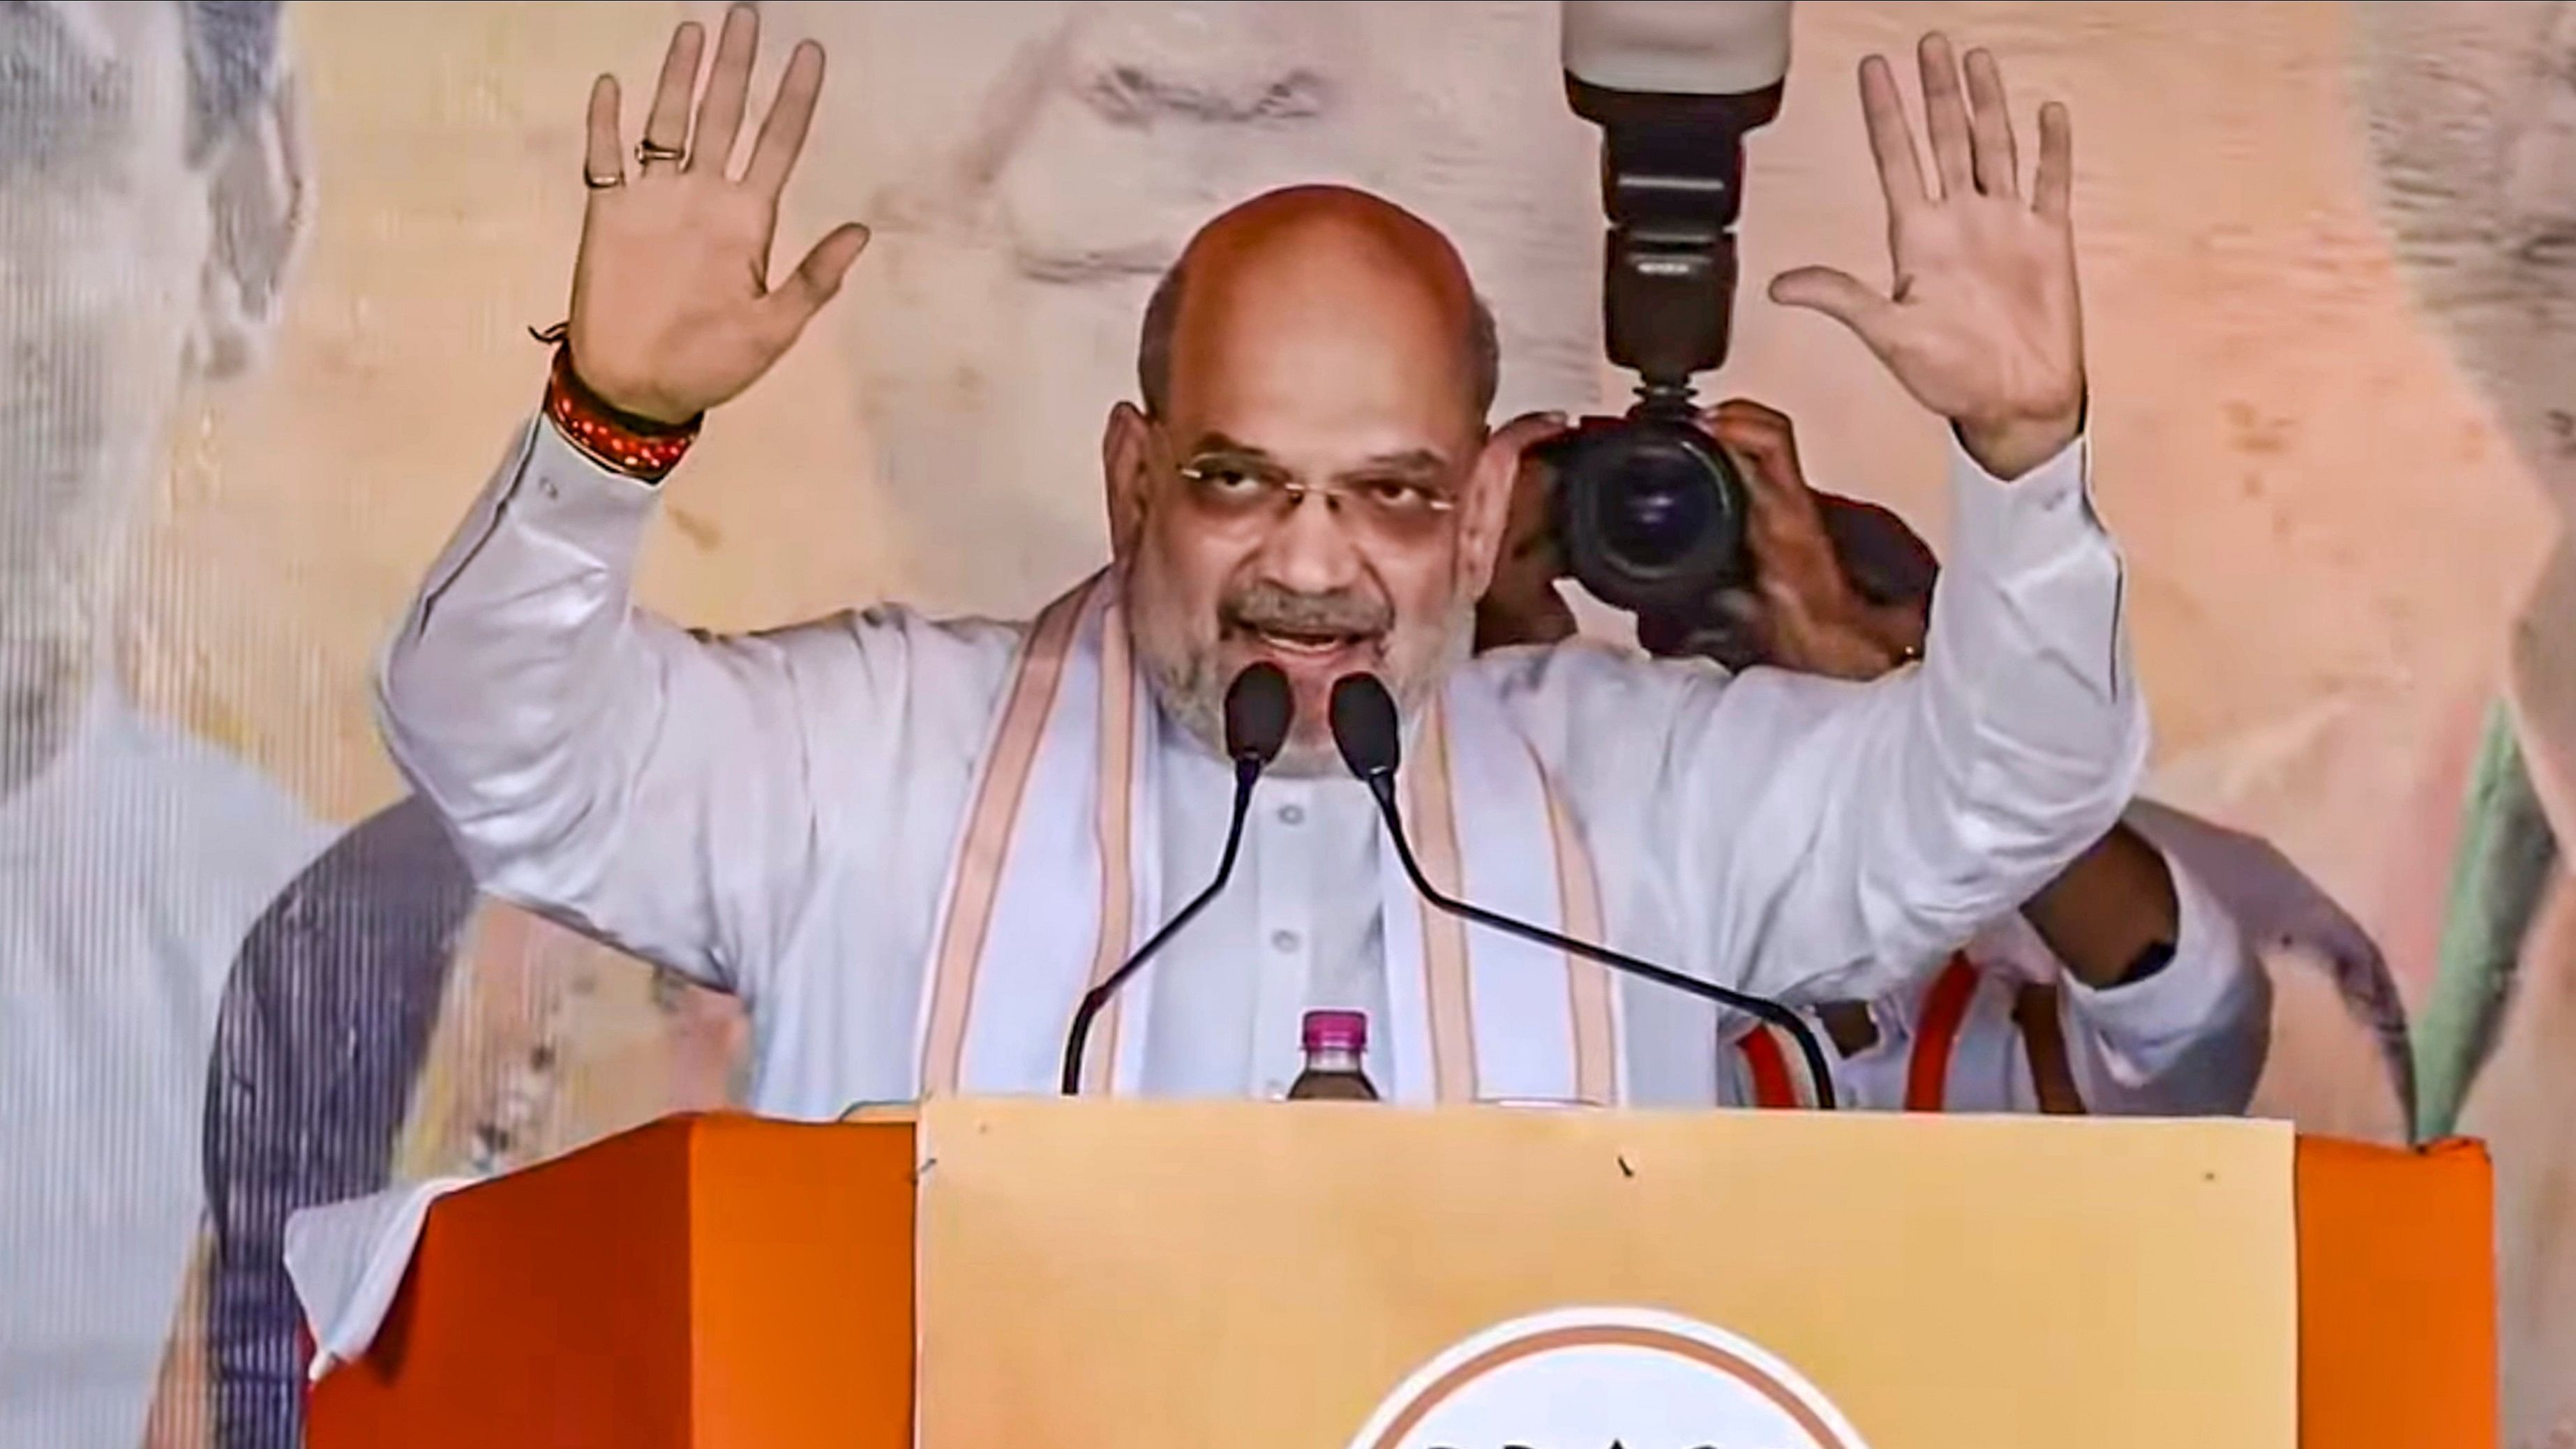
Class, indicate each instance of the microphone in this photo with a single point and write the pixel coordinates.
(1259, 707)
(1365, 730)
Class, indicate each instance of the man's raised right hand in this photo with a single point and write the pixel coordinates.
(672, 308)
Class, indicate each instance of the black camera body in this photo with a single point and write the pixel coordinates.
(1648, 509)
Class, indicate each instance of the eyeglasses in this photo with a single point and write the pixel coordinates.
(1400, 507)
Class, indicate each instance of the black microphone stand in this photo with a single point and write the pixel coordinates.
(1383, 787)
(1259, 709)
(1367, 731)
(1246, 774)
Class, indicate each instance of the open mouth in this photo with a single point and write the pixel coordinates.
(1286, 642)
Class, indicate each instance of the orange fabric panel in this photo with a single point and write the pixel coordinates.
(708, 1282)
(805, 1326)
(470, 1356)
(2397, 1297)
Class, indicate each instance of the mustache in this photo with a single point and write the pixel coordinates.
(1287, 611)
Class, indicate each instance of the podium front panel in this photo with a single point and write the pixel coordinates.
(1168, 1276)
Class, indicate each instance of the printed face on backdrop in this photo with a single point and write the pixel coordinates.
(148, 219)
(2473, 137)
(1031, 170)
(2472, 111)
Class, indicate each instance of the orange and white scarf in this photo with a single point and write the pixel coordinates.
(1057, 876)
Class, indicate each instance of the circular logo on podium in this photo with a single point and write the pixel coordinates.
(1606, 1378)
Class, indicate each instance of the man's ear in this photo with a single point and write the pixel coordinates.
(259, 191)
(1126, 472)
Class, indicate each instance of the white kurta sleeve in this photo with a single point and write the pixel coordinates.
(645, 785)
(2189, 1041)
(1843, 838)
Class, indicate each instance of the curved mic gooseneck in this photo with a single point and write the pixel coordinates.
(1259, 709)
(1366, 731)
(1246, 774)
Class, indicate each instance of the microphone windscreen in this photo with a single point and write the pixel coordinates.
(1259, 707)
(1364, 726)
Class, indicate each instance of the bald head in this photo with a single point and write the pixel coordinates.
(1312, 250)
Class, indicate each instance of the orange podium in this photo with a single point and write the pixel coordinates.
(1154, 1275)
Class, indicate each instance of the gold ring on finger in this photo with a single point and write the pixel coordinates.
(649, 151)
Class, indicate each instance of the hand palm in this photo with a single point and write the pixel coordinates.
(1983, 324)
(1985, 319)
(672, 309)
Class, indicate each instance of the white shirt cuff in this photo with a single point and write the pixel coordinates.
(567, 497)
(2032, 519)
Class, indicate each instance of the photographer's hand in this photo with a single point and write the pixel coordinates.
(1519, 603)
(672, 308)
(1807, 613)
(1982, 324)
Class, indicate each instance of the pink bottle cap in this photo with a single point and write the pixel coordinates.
(1336, 1031)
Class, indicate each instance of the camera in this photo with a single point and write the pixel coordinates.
(1648, 509)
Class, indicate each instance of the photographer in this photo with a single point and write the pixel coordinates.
(2130, 984)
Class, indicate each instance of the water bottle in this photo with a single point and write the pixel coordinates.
(1336, 1046)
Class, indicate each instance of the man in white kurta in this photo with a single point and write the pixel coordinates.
(908, 843)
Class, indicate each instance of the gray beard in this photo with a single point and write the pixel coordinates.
(1190, 694)
(1193, 698)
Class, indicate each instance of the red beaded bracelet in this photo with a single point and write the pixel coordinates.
(620, 442)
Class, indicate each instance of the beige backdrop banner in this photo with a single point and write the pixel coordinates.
(267, 275)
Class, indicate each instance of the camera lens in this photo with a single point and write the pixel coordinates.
(1657, 507)
(1649, 512)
